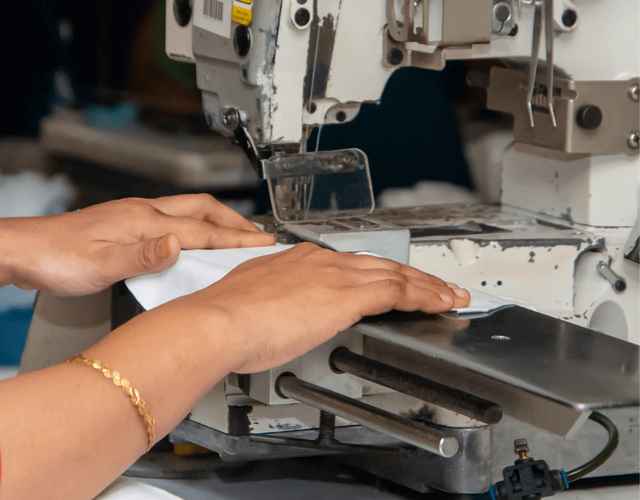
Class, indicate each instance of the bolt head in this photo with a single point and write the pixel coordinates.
(633, 141)
(589, 117)
(395, 56)
(634, 92)
(231, 118)
(521, 445)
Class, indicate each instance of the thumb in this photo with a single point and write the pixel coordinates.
(148, 256)
(157, 254)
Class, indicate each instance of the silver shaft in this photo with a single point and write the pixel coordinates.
(403, 429)
(533, 61)
(549, 42)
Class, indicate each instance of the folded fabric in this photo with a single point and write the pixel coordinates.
(198, 269)
(194, 270)
(482, 302)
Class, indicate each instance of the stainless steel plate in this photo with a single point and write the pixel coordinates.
(574, 366)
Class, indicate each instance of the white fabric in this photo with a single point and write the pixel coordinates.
(197, 269)
(482, 302)
(129, 489)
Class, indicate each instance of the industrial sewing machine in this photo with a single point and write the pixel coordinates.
(436, 402)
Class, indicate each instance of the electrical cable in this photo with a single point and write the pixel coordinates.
(604, 455)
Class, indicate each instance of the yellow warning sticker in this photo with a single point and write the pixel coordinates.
(242, 12)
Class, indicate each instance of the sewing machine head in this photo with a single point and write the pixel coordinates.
(281, 68)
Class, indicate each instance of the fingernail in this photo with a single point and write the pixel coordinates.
(460, 293)
(446, 298)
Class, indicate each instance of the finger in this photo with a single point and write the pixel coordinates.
(463, 297)
(203, 207)
(153, 255)
(360, 277)
(368, 262)
(197, 234)
(383, 296)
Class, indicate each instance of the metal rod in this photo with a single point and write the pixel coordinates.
(549, 43)
(618, 283)
(533, 61)
(403, 429)
(343, 360)
(327, 427)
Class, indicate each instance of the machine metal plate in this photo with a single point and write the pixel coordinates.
(570, 365)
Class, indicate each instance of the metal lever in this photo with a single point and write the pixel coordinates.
(403, 429)
(343, 360)
(617, 282)
(543, 9)
(235, 121)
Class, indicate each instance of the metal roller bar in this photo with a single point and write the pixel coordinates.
(400, 428)
(343, 360)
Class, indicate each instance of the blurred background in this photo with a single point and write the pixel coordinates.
(93, 110)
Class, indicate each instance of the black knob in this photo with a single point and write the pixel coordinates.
(589, 117)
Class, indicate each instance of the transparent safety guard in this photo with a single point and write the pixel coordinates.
(319, 186)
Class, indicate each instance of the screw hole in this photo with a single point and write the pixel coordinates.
(499, 283)
(484, 283)
(341, 116)
(312, 108)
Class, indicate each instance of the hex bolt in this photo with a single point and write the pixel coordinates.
(521, 448)
(231, 118)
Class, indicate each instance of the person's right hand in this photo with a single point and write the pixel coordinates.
(278, 307)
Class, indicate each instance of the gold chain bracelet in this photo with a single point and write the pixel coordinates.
(132, 393)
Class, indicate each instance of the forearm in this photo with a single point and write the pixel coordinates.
(8, 243)
(75, 431)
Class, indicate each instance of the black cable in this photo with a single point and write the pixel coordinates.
(604, 455)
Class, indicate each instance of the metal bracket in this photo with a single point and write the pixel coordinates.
(591, 117)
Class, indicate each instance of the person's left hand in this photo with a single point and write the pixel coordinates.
(86, 251)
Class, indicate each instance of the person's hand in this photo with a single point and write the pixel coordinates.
(86, 251)
(278, 307)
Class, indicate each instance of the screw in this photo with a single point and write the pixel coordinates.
(569, 18)
(302, 17)
(231, 118)
(501, 15)
(634, 92)
(633, 141)
(521, 447)
(395, 56)
(589, 117)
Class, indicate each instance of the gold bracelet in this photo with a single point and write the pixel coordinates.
(132, 393)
